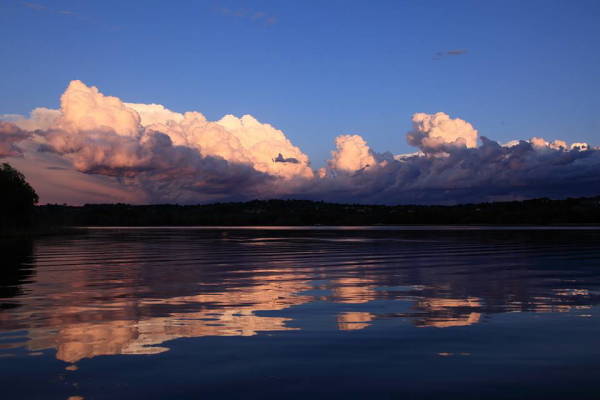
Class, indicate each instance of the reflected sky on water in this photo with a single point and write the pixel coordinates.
(68, 300)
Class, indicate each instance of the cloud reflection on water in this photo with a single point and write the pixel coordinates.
(110, 293)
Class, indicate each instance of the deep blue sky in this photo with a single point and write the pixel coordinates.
(317, 69)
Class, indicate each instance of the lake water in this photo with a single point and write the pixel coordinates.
(353, 313)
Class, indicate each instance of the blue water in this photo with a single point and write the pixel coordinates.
(190, 313)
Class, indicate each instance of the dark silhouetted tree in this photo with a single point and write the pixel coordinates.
(17, 199)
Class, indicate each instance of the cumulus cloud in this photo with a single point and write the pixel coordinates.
(10, 134)
(56, 181)
(352, 154)
(101, 135)
(39, 118)
(435, 133)
(154, 113)
(148, 153)
(486, 173)
(451, 168)
(541, 144)
(260, 141)
(85, 109)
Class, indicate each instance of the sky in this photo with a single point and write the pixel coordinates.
(316, 70)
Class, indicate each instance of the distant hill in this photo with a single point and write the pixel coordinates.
(302, 212)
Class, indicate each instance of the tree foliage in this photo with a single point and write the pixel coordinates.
(17, 199)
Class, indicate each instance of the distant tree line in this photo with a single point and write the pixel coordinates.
(18, 211)
(302, 212)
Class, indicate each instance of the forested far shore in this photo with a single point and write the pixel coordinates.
(581, 211)
(19, 214)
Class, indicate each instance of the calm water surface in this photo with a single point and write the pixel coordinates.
(259, 313)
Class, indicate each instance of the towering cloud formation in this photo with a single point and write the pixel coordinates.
(85, 109)
(170, 156)
(438, 132)
(157, 155)
(352, 154)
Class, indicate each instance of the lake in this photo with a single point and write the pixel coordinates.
(348, 313)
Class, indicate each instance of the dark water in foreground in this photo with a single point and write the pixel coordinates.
(230, 313)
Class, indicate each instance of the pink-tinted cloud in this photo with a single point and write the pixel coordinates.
(10, 135)
(98, 147)
(352, 154)
(434, 133)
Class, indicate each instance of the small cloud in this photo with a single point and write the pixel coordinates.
(258, 15)
(35, 6)
(41, 7)
(252, 15)
(71, 14)
(239, 13)
(280, 158)
(456, 52)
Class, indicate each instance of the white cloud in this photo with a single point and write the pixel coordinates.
(148, 153)
(352, 154)
(434, 133)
